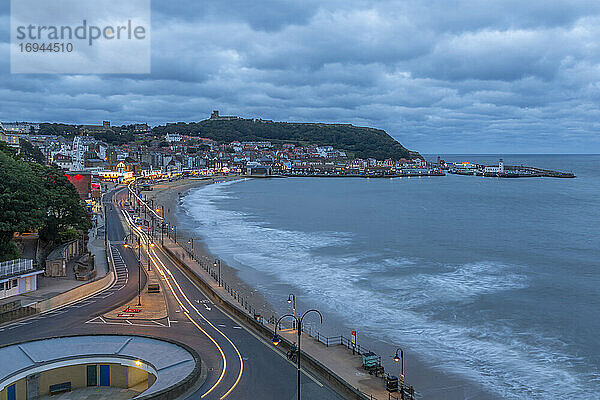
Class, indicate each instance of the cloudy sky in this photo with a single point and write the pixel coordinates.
(445, 76)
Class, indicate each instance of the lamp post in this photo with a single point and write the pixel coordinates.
(162, 218)
(151, 245)
(105, 223)
(162, 230)
(292, 300)
(151, 227)
(400, 358)
(191, 241)
(126, 245)
(216, 264)
(277, 339)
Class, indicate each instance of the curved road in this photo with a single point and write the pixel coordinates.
(238, 364)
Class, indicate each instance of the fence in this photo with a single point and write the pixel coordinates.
(15, 267)
(404, 392)
(208, 265)
(212, 267)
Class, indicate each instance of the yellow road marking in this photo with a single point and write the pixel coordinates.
(220, 350)
(194, 322)
(210, 323)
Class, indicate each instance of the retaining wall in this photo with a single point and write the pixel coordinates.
(333, 380)
(75, 293)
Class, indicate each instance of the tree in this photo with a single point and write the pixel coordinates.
(36, 197)
(21, 201)
(30, 152)
(361, 142)
(65, 211)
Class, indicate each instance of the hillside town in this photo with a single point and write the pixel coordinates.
(175, 155)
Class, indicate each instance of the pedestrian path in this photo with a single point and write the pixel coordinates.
(94, 393)
(337, 358)
(153, 306)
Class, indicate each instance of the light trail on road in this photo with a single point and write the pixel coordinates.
(168, 277)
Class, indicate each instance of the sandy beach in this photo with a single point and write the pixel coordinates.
(432, 381)
(168, 195)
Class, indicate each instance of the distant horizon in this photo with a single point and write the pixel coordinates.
(510, 154)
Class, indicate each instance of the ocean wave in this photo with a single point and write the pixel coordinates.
(418, 304)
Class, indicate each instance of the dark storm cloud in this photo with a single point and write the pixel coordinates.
(439, 75)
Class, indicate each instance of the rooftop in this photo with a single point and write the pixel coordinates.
(169, 362)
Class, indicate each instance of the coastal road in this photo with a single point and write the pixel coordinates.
(239, 365)
(65, 320)
(249, 366)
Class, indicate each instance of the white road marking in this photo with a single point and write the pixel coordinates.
(100, 320)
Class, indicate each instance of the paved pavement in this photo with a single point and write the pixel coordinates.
(96, 393)
(239, 365)
(153, 306)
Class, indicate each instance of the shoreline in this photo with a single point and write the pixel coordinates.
(169, 195)
(437, 384)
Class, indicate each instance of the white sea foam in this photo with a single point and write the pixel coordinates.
(515, 365)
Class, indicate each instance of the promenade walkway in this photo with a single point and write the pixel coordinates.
(153, 305)
(337, 358)
(49, 288)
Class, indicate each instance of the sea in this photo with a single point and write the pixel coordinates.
(491, 286)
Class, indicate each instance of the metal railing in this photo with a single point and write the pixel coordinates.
(403, 394)
(15, 267)
(207, 263)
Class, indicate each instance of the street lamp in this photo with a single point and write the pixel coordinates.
(400, 358)
(276, 338)
(191, 241)
(292, 300)
(151, 245)
(151, 227)
(215, 264)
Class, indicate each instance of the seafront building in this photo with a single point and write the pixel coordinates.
(92, 149)
(18, 277)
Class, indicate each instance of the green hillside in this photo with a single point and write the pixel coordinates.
(356, 141)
